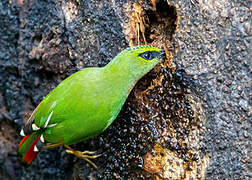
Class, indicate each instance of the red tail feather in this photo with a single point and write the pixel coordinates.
(30, 154)
(22, 141)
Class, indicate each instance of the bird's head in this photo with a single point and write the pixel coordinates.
(141, 59)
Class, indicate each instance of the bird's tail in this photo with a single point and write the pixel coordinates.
(26, 148)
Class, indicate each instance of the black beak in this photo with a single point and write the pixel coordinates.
(162, 54)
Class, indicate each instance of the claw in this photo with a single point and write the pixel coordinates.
(85, 155)
(91, 157)
(88, 152)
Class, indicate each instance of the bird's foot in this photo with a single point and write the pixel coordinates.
(85, 155)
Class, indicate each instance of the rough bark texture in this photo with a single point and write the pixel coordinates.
(191, 123)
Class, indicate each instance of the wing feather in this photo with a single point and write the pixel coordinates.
(31, 118)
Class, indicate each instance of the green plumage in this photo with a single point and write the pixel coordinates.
(87, 102)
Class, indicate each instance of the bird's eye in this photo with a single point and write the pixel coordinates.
(147, 55)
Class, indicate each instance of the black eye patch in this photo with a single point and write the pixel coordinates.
(149, 55)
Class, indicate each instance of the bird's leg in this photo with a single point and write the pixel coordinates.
(49, 145)
(86, 155)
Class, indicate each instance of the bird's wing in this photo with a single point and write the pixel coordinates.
(54, 108)
(43, 115)
(31, 125)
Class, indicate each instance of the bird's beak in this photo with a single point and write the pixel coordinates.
(162, 54)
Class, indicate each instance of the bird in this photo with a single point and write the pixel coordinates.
(84, 104)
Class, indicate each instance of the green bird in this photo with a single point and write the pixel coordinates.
(85, 104)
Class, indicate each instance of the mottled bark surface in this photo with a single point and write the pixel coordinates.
(194, 123)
